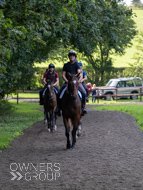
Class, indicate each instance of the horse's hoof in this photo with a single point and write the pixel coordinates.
(79, 134)
(45, 121)
(52, 130)
(68, 146)
(55, 127)
(73, 147)
(49, 130)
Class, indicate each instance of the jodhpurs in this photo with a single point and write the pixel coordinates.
(83, 92)
(85, 87)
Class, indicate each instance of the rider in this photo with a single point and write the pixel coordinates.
(83, 79)
(72, 67)
(53, 76)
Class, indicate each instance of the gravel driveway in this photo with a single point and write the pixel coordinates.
(108, 156)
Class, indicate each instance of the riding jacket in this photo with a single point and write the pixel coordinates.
(51, 76)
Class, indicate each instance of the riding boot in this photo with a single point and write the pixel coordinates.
(87, 99)
(41, 97)
(83, 109)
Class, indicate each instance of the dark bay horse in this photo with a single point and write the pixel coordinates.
(50, 105)
(71, 109)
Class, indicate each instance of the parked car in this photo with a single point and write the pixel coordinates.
(123, 85)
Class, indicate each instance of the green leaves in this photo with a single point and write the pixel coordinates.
(29, 30)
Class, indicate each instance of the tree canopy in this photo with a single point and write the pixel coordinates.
(31, 29)
(106, 29)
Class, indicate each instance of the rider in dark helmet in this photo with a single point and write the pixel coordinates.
(72, 52)
(72, 67)
(50, 75)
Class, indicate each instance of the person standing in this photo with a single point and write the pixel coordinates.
(93, 93)
(89, 87)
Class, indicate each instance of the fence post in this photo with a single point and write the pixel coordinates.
(17, 97)
(98, 96)
(141, 94)
(116, 94)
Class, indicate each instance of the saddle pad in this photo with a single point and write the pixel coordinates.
(63, 91)
(46, 89)
(44, 92)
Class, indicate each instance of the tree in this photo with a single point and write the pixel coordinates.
(104, 28)
(29, 30)
(136, 68)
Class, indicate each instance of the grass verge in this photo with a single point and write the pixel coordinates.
(12, 124)
(25, 95)
(135, 110)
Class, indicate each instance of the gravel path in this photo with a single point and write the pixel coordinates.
(108, 156)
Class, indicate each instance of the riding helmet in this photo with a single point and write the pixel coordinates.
(51, 65)
(72, 52)
(80, 63)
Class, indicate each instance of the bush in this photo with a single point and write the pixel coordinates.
(5, 107)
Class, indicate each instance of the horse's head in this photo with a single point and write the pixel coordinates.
(73, 85)
(50, 89)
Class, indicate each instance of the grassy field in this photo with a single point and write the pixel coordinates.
(135, 110)
(25, 95)
(12, 124)
(123, 61)
(119, 61)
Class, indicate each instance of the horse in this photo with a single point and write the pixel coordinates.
(50, 105)
(71, 109)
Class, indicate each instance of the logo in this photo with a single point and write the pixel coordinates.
(38, 171)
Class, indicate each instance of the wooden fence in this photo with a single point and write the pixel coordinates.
(98, 96)
(116, 94)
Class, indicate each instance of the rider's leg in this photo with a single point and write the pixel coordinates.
(41, 96)
(87, 95)
(57, 96)
(83, 92)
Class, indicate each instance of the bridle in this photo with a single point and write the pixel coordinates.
(74, 97)
(51, 92)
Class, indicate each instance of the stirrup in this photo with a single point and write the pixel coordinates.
(83, 111)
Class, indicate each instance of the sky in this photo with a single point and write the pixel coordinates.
(128, 2)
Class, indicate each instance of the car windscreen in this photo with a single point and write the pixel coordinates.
(112, 83)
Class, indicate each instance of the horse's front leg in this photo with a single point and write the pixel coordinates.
(52, 118)
(75, 127)
(74, 136)
(67, 131)
(79, 128)
(55, 118)
(45, 117)
(49, 122)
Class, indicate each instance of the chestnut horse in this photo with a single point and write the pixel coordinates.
(71, 109)
(50, 105)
